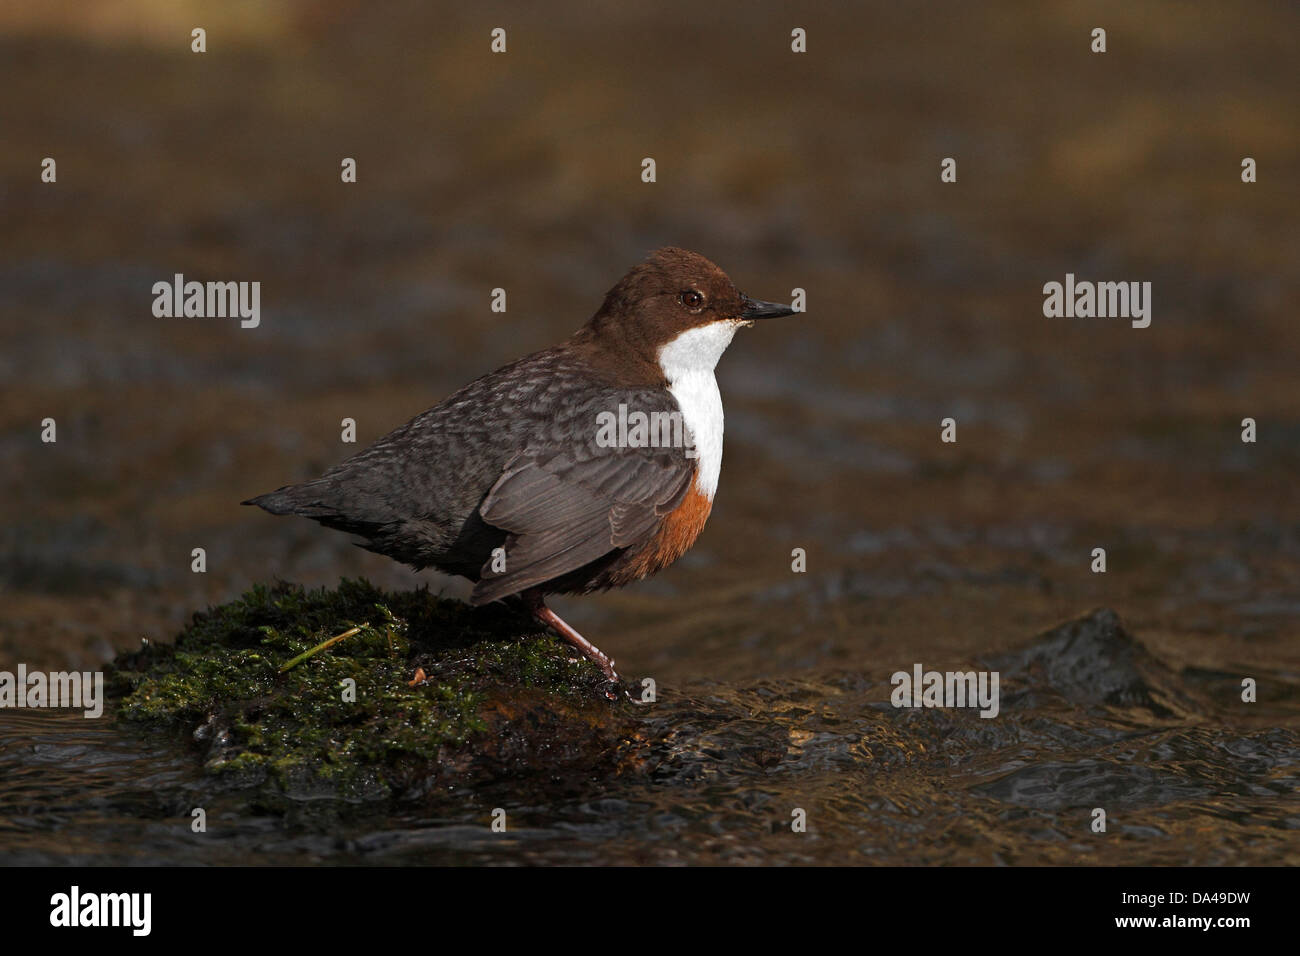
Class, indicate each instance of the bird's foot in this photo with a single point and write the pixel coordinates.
(589, 650)
(613, 682)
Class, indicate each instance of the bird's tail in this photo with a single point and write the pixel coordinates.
(320, 501)
(283, 501)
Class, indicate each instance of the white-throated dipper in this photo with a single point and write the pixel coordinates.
(582, 467)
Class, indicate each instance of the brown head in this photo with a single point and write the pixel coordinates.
(672, 293)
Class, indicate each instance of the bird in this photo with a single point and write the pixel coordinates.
(582, 467)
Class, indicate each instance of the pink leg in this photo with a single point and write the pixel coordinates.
(537, 607)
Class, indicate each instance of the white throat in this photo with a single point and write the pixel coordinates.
(688, 362)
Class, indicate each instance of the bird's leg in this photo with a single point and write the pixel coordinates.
(537, 607)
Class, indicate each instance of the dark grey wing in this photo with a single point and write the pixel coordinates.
(568, 499)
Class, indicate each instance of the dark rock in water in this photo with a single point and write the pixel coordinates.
(1094, 660)
(501, 699)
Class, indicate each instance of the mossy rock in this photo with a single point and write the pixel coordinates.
(502, 698)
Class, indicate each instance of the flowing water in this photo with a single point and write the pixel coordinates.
(924, 303)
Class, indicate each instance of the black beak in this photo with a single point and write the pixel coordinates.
(754, 309)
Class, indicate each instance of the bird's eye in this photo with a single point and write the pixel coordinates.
(691, 299)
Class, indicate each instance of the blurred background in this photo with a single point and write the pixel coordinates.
(522, 171)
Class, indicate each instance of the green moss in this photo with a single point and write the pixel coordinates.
(347, 718)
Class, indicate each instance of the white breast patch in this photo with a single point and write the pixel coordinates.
(688, 362)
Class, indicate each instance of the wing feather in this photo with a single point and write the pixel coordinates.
(566, 506)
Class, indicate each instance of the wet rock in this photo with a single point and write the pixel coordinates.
(1093, 660)
(501, 700)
